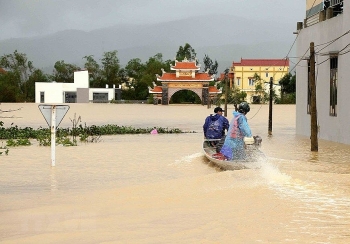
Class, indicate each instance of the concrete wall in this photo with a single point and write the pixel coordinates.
(331, 128)
(110, 91)
(244, 72)
(82, 95)
(55, 92)
(81, 79)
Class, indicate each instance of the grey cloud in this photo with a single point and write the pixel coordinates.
(30, 18)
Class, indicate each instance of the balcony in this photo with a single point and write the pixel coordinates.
(331, 8)
(334, 3)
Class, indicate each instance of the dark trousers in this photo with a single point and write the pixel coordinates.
(220, 144)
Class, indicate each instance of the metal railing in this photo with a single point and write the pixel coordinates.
(314, 19)
(335, 2)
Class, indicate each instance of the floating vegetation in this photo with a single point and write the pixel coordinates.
(17, 136)
(15, 132)
(18, 142)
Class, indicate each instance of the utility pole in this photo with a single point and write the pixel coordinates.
(313, 108)
(208, 99)
(226, 91)
(270, 106)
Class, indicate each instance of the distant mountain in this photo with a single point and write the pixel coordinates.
(224, 38)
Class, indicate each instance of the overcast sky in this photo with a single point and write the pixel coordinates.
(28, 18)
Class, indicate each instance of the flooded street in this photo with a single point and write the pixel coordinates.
(161, 189)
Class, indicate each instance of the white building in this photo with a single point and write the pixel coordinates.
(327, 25)
(77, 92)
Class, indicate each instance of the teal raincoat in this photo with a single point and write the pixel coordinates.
(233, 147)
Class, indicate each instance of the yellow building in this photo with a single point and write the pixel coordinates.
(242, 74)
(313, 7)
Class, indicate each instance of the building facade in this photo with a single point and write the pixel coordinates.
(245, 70)
(77, 92)
(331, 37)
(186, 76)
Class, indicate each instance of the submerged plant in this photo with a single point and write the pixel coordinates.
(4, 149)
(18, 142)
(68, 136)
(75, 132)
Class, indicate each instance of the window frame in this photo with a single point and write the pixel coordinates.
(333, 84)
(42, 96)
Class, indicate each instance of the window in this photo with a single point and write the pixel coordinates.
(250, 81)
(70, 97)
(267, 74)
(42, 97)
(100, 97)
(333, 91)
(238, 81)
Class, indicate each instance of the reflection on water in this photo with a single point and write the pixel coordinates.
(151, 188)
(53, 179)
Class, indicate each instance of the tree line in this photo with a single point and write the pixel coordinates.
(18, 75)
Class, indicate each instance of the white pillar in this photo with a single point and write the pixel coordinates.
(53, 135)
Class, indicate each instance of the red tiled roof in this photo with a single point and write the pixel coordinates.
(262, 62)
(185, 65)
(213, 89)
(222, 76)
(2, 71)
(157, 89)
(198, 76)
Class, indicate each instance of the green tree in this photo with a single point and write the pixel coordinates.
(64, 72)
(95, 78)
(187, 52)
(139, 76)
(236, 96)
(153, 66)
(123, 75)
(288, 88)
(210, 65)
(37, 76)
(135, 68)
(134, 71)
(288, 83)
(111, 68)
(9, 87)
(19, 70)
(262, 95)
(129, 91)
(135, 90)
(141, 91)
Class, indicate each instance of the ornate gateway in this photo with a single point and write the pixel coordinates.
(185, 77)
